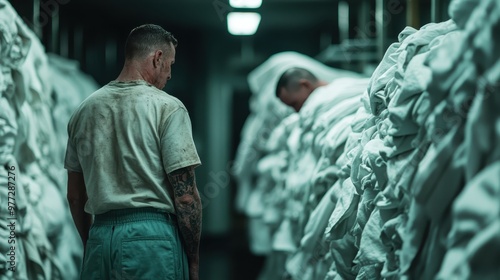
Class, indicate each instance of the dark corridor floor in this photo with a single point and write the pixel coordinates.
(228, 257)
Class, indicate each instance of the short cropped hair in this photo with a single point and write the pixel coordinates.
(292, 76)
(144, 38)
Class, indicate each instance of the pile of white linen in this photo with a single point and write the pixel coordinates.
(38, 92)
(401, 179)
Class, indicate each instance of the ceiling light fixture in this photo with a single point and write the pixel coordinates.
(250, 4)
(242, 23)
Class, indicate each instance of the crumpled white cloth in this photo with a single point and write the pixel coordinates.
(263, 79)
(474, 238)
(14, 42)
(325, 97)
(460, 11)
(312, 245)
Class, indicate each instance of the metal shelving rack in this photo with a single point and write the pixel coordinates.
(373, 34)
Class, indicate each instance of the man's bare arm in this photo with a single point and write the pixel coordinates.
(77, 197)
(188, 208)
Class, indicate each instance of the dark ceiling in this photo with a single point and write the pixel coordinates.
(210, 14)
(88, 30)
(297, 25)
(285, 25)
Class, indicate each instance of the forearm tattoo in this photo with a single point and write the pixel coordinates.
(188, 208)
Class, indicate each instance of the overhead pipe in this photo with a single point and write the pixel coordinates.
(434, 11)
(343, 18)
(37, 28)
(381, 27)
(413, 13)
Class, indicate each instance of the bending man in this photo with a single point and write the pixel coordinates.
(296, 85)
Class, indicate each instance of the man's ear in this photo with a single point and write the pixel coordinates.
(306, 84)
(157, 58)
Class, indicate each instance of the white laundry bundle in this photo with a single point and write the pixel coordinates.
(31, 87)
(385, 72)
(426, 179)
(265, 202)
(414, 190)
(345, 223)
(473, 238)
(460, 11)
(330, 124)
(311, 260)
(266, 113)
(275, 164)
(471, 250)
(14, 42)
(288, 234)
(355, 227)
(326, 104)
(355, 195)
(397, 129)
(69, 87)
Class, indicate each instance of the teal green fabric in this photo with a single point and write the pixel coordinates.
(134, 244)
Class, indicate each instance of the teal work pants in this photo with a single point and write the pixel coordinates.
(134, 244)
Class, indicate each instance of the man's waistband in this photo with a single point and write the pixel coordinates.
(120, 216)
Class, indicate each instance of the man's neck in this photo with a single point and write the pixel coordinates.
(132, 72)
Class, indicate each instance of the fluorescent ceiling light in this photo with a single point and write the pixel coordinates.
(242, 23)
(252, 4)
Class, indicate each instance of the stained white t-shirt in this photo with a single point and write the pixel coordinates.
(125, 138)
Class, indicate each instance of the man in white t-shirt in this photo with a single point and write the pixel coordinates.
(130, 159)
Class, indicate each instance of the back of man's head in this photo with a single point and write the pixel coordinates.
(146, 38)
(291, 78)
